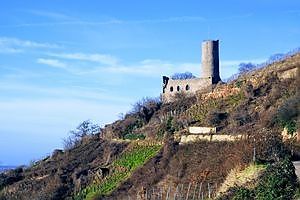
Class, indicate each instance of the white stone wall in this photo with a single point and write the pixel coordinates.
(202, 130)
(217, 138)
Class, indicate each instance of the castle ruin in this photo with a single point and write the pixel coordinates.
(209, 75)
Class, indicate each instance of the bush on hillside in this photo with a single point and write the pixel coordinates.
(11, 177)
(279, 181)
(246, 67)
(131, 136)
(269, 146)
(168, 127)
(181, 102)
(288, 113)
(145, 108)
(85, 128)
(215, 118)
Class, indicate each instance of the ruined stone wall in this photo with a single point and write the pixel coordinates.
(212, 138)
(189, 86)
(210, 74)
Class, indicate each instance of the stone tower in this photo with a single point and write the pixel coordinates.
(210, 60)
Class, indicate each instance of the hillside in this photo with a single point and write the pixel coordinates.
(112, 165)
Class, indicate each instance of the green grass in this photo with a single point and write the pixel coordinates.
(122, 168)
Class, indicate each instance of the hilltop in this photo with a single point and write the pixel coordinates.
(112, 164)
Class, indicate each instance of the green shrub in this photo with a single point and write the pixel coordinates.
(130, 127)
(291, 127)
(278, 182)
(132, 136)
(287, 114)
(160, 134)
(239, 84)
(241, 193)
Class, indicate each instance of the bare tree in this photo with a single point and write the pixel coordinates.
(277, 57)
(146, 107)
(83, 129)
(182, 76)
(246, 67)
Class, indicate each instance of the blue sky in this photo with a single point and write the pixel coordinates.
(63, 62)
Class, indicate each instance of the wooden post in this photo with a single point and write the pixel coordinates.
(153, 193)
(216, 189)
(200, 188)
(168, 193)
(254, 152)
(181, 192)
(188, 192)
(209, 192)
(175, 192)
(194, 193)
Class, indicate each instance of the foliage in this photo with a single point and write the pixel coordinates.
(85, 128)
(181, 102)
(131, 136)
(132, 126)
(160, 134)
(246, 67)
(239, 84)
(11, 177)
(146, 107)
(297, 193)
(168, 127)
(134, 157)
(276, 57)
(288, 113)
(278, 182)
(215, 118)
(291, 127)
(182, 76)
(241, 193)
(238, 178)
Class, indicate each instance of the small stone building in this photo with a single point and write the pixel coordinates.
(210, 74)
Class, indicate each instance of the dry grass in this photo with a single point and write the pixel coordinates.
(239, 177)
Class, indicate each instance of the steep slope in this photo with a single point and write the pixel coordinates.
(60, 175)
(257, 104)
(251, 105)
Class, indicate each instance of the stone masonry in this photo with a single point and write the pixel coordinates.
(210, 74)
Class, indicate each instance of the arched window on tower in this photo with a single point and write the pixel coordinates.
(187, 87)
(171, 89)
(178, 88)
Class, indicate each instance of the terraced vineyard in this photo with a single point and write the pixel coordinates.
(135, 156)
